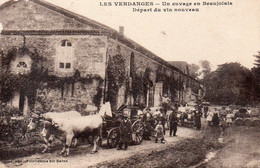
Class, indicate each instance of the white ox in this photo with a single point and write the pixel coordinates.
(78, 126)
(89, 125)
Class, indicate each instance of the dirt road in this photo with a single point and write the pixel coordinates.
(242, 149)
(236, 147)
(80, 157)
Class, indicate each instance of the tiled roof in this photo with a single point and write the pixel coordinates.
(182, 65)
(100, 30)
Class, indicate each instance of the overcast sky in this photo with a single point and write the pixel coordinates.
(217, 34)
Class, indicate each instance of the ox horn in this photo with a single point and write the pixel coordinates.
(34, 115)
(54, 124)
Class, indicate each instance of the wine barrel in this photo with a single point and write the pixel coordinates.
(239, 122)
(255, 112)
(256, 122)
(247, 121)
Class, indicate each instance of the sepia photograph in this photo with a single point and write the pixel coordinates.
(123, 83)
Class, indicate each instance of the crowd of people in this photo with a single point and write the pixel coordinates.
(155, 121)
(226, 115)
(154, 125)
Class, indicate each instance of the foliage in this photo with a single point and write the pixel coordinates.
(231, 83)
(137, 86)
(147, 83)
(116, 77)
(205, 64)
(56, 82)
(37, 78)
(15, 141)
(256, 78)
(193, 70)
(160, 74)
(140, 84)
(8, 111)
(257, 61)
(26, 82)
(256, 83)
(173, 83)
(98, 96)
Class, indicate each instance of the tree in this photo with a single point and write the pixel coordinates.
(205, 65)
(116, 77)
(256, 78)
(256, 83)
(194, 70)
(257, 61)
(231, 83)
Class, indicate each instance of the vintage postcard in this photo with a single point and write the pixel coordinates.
(124, 83)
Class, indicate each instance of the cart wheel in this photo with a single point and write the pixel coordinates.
(113, 137)
(138, 132)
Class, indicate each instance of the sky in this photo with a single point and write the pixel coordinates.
(219, 34)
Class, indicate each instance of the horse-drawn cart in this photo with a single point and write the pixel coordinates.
(111, 126)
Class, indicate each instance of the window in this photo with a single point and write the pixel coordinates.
(61, 65)
(65, 43)
(65, 56)
(68, 66)
(64, 65)
(22, 64)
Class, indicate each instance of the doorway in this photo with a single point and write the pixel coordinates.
(20, 101)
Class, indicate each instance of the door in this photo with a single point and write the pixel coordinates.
(158, 94)
(20, 101)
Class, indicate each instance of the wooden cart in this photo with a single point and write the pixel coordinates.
(111, 126)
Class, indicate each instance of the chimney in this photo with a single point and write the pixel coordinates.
(121, 30)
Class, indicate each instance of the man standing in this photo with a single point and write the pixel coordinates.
(173, 122)
(206, 109)
(215, 118)
(197, 116)
(148, 119)
(125, 132)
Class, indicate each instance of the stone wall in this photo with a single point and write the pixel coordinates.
(89, 51)
(52, 99)
(90, 59)
(142, 62)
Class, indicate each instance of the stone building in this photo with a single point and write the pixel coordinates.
(55, 60)
(192, 89)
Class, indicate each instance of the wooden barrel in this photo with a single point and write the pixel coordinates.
(247, 121)
(255, 112)
(256, 122)
(239, 122)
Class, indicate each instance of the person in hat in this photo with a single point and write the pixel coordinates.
(197, 119)
(215, 118)
(148, 120)
(173, 122)
(159, 132)
(125, 132)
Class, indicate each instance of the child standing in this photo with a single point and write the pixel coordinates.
(229, 118)
(159, 132)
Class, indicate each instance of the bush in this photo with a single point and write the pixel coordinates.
(15, 141)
